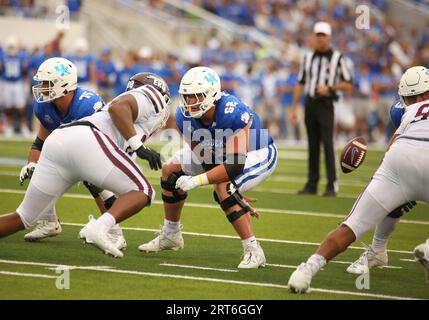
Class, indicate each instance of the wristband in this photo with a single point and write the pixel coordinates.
(202, 179)
(135, 142)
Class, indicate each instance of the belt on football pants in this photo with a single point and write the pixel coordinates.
(79, 123)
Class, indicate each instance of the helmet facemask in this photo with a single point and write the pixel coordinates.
(44, 91)
(202, 105)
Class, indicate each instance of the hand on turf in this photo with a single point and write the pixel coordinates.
(26, 172)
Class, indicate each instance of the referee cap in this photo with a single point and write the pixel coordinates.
(322, 27)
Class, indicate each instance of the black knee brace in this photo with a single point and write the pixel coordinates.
(170, 185)
(234, 198)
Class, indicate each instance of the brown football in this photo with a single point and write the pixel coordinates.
(353, 154)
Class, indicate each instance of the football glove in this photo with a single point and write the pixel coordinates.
(399, 211)
(153, 157)
(26, 172)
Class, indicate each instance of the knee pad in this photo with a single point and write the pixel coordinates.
(234, 198)
(170, 185)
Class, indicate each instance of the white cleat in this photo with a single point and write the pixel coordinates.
(117, 237)
(369, 259)
(44, 229)
(95, 233)
(421, 253)
(299, 281)
(164, 241)
(253, 258)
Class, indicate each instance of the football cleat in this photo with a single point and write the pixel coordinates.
(253, 257)
(96, 234)
(45, 229)
(299, 281)
(421, 253)
(164, 241)
(117, 237)
(369, 259)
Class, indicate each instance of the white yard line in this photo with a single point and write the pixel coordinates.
(217, 280)
(54, 266)
(212, 206)
(287, 266)
(195, 267)
(408, 260)
(210, 235)
(31, 275)
(350, 262)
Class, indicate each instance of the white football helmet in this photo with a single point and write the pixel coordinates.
(12, 45)
(81, 47)
(202, 82)
(413, 82)
(56, 77)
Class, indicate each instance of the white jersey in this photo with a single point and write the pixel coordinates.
(151, 117)
(414, 122)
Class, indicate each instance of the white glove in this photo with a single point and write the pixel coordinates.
(26, 172)
(187, 183)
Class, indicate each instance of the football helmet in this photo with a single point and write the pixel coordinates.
(12, 45)
(204, 84)
(56, 77)
(161, 94)
(413, 82)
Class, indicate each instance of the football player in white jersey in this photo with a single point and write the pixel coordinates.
(96, 149)
(399, 179)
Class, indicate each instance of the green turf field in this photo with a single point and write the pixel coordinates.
(290, 228)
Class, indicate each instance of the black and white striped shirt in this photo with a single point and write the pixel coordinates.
(326, 68)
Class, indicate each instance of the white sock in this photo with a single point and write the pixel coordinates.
(50, 215)
(172, 226)
(382, 233)
(316, 262)
(249, 242)
(107, 220)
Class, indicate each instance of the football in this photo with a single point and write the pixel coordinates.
(353, 154)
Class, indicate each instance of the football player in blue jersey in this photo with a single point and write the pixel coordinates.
(13, 65)
(58, 100)
(226, 146)
(85, 64)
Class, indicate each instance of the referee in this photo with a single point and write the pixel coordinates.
(323, 72)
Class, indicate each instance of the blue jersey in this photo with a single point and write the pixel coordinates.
(231, 115)
(106, 74)
(83, 67)
(84, 103)
(397, 110)
(13, 67)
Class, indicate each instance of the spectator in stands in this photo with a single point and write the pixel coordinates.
(124, 74)
(285, 88)
(106, 75)
(145, 60)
